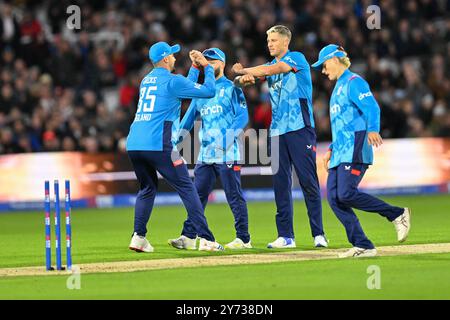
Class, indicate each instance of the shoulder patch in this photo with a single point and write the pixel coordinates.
(290, 60)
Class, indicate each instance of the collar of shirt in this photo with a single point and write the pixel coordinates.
(221, 80)
(275, 59)
(160, 70)
(347, 73)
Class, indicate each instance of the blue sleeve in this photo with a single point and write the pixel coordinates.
(296, 61)
(240, 109)
(359, 93)
(183, 88)
(193, 74)
(187, 123)
(240, 115)
(189, 117)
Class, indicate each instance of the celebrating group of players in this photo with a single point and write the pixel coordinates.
(220, 103)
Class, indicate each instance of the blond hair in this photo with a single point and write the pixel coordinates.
(280, 29)
(345, 61)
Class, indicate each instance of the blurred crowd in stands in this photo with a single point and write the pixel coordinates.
(63, 89)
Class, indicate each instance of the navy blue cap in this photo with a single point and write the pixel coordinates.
(160, 50)
(328, 52)
(214, 54)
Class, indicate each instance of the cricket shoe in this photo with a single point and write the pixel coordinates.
(238, 244)
(184, 242)
(320, 241)
(140, 244)
(281, 243)
(356, 252)
(402, 225)
(206, 245)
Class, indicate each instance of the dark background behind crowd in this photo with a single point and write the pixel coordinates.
(63, 89)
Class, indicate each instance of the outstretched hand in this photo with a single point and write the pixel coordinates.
(374, 139)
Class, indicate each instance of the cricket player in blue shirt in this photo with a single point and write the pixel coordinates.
(223, 118)
(151, 143)
(289, 79)
(355, 126)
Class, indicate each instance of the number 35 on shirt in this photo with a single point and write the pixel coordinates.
(147, 99)
(146, 103)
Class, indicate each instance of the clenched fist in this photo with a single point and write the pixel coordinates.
(238, 68)
(247, 79)
(197, 58)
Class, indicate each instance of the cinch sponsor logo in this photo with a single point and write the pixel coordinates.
(335, 108)
(211, 110)
(364, 95)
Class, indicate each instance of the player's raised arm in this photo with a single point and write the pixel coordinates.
(184, 88)
(194, 71)
(278, 38)
(187, 123)
(263, 70)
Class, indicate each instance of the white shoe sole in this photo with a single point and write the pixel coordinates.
(180, 248)
(238, 248)
(141, 250)
(405, 236)
(369, 254)
(283, 247)
(210, 249)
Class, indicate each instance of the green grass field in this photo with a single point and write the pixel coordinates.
(102, 235)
